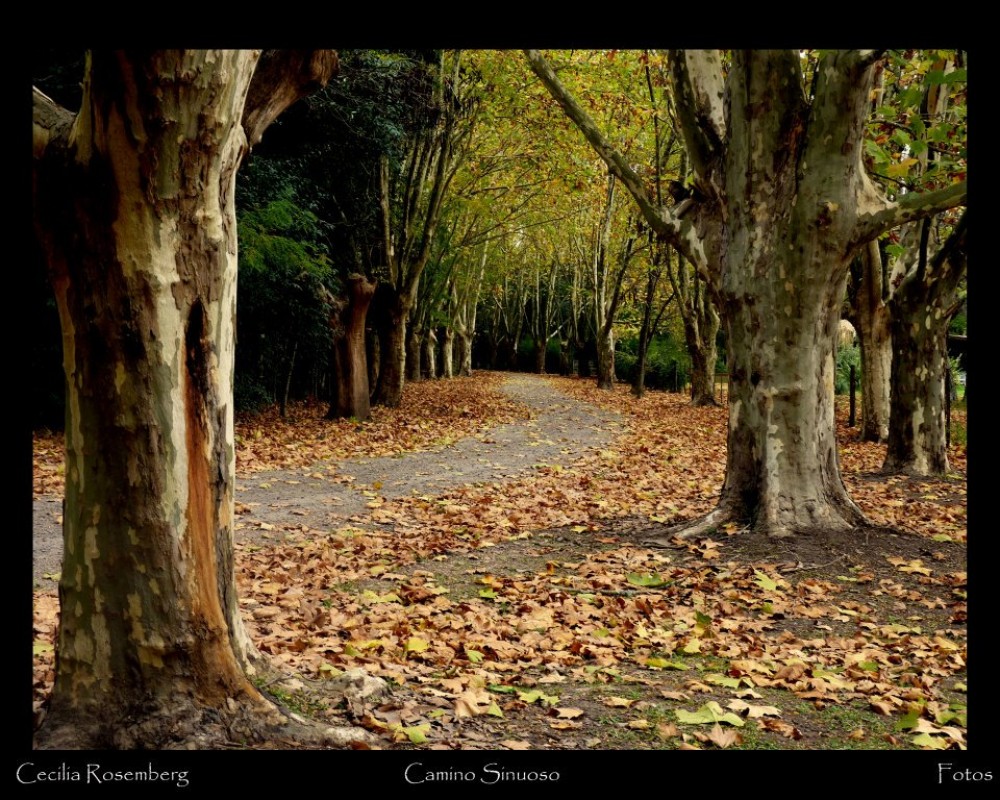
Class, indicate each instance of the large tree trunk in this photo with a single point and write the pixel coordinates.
(135, 210)
(350, 356)
(782, 202)
(921, 310)
(917, 432)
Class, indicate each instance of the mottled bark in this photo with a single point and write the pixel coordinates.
(921, 310)
(134, 207)
(463, 352)
(428, 358)
(447, 354)
(350, 357)
(870, 316)
(783, 202)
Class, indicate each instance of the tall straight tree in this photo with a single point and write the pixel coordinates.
(133, 199)
(781, 203)
(411, 206)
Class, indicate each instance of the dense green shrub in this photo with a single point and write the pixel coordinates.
(847, 357)
(668, 365)
(282, 313)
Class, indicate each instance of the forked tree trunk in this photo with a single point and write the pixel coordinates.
(135, 210)
(783, 203)
(921, 310)
(350, 357)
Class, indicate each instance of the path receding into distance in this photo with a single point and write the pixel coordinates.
(562, 430)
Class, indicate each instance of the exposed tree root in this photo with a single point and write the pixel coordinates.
(181, 724)
(676, 536)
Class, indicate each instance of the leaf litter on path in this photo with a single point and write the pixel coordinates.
(474, 654)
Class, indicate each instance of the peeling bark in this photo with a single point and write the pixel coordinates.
(921, 310)
(134, 207)
(783, 203)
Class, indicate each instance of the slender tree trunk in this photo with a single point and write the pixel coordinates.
(414, 343)
(373, 351)
(639, 381)
(464, 352)
(350, 389)
(541, 345)
(429, 360)
(703, 357)
(871, 321)
(288, 379)
(605, 360)
(447, 354)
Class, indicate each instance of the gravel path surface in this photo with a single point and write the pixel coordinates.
(561, 431)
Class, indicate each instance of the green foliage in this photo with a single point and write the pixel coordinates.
(847, 357)
(282, 310)
(668, 365)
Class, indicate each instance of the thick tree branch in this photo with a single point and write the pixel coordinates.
(281, 78)
(49, 121)
(698, 92)
(911, 206)
(658, 217)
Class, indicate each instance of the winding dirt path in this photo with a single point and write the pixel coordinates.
(329, 494)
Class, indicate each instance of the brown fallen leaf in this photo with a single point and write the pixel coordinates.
(724, 738)
(617, 702)
(566, 713)
(667, 730)
(639, 724)
(516, 744)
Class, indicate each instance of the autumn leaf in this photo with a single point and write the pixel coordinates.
(724, 739)
(765, 582)
(646, 580)
(516, 744)
(709, 713)
(566, 713)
